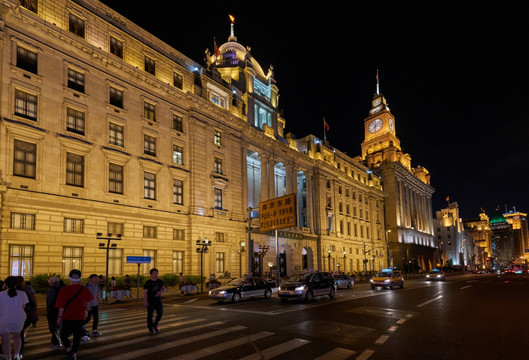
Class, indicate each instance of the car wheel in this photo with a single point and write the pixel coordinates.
(373, 287)
(402, 285)
(391, 286)
(236, 298)
(268, 293)
(349, 285)
(332, 293)
(308, 296)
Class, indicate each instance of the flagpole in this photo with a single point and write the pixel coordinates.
(324, 133)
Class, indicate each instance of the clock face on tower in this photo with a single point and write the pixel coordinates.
(391, 125)
(375, 126)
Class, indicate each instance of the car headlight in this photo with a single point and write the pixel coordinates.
(222, 292)
(387, 280)
(210, 292)
(300, 288)
(427, 276)
(370, 280)
(438, 275)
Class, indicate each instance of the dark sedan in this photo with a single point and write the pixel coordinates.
(240, 288)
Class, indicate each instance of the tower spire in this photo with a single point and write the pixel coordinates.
(378, 86)
(232, 28)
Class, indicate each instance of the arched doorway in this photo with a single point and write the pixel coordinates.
(307, 259)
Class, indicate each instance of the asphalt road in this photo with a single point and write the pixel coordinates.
(466, 317)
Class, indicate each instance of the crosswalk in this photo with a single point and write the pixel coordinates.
(182, 338)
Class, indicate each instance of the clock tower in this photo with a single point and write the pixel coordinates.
(381, 144)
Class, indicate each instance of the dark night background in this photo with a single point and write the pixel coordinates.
(455, 74)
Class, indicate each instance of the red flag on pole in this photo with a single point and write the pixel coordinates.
(325, 124)
(217, 51)
(447, 198)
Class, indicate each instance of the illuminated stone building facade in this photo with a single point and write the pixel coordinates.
(518, 220)
(479, 230)
(455, 245)
(503, 240)
(408, 193)
(106, 129)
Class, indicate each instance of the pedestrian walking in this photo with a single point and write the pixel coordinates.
(128, 282)
(73, 303)
(12, 317)
(152, 298)
(95, 305)
(29, 309)
(52, 313)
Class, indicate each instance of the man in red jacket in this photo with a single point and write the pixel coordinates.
(73, 303)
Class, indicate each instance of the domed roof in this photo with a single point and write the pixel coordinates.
(241, 53)
(497, 218)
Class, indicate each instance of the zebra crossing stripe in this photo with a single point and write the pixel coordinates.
(172, 344)
(276, 350)
(147, 338)
(337, 354)
(199, 354)
(365, 355)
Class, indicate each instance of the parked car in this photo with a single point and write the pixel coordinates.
(307, 285)
(387, 278)
(241, 288)
(435, 274)
(343, 281)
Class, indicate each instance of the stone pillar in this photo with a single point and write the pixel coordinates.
(264, 178)
(290, 181)
(271, 178)
(310, 204)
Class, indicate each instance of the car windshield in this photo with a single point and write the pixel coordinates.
(299, 278)
(383, 274)
(237, 282)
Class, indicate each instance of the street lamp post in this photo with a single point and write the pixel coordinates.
(387, 248)
(263, 249)
(240, 251)
(329, 259)
(202, 249)
(107, 247)
(344, 263)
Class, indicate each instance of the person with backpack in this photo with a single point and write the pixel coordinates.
(73, 303)
(12, 317)
(95, 304)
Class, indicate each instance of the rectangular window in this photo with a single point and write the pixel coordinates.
(76, 25)
(218, 166)
(218, 199)
(25, 105)
(75, 226)
(217, 140)
(21, 260)
(76, 80)
(178, 262)
(150, 65)
(150, 232)
(178, 192)
(178, 155)
(72, 258)
(115, 228)
(219, 262)
(115, 134)
(22, 221)
(116, 97)
(178, 81)
(178, 123)
(74, 169)
(116, 47)
(75, 121)
(179, 234)
(152, 264)
(27, 59)
(220, 237)
(149, 145)
(115, 261)
(25, 159)
(149, 186)
(31, 5)
(149, 111)
(115, 178)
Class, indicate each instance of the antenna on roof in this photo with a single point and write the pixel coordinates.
(378, 85)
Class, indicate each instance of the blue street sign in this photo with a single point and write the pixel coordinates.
(526, 250)
(138, 259)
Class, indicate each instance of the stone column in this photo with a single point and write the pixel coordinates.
(264, 178)
(271, 178)
(290, 181)
(310, 210)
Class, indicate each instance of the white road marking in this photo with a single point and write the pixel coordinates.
(401, 321)
(429, 301)
(381, 340)
(277, 350)
(464, 287)
(337, 354)
(365, 355)
(393, 328)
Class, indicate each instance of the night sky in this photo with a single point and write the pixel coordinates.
(455, 74)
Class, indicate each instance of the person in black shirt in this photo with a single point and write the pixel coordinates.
(152, 299)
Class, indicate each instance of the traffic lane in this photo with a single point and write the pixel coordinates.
(475, 318)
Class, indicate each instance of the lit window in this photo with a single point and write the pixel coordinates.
(178, 155)
(150, 65)
(149, 145)
(72, 258)
(115, 134)
(149, 111)
(21, 260)
(179, 234)
(115, 228)
(76, 80)
(218, 199)
(75, 121)
(25, 157)
(150, 232)
(27, 59)
(178, 262)
(178, 81)
(74, 169)
(116, 47)
(152, 264)
(219, 262)
(73, 225)
(178, 192)
(149, 186)
(217, 138)
(76, 25)
(115, 261)
(25, 105)
(22, 221)
(218, 166)
(115, 178)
